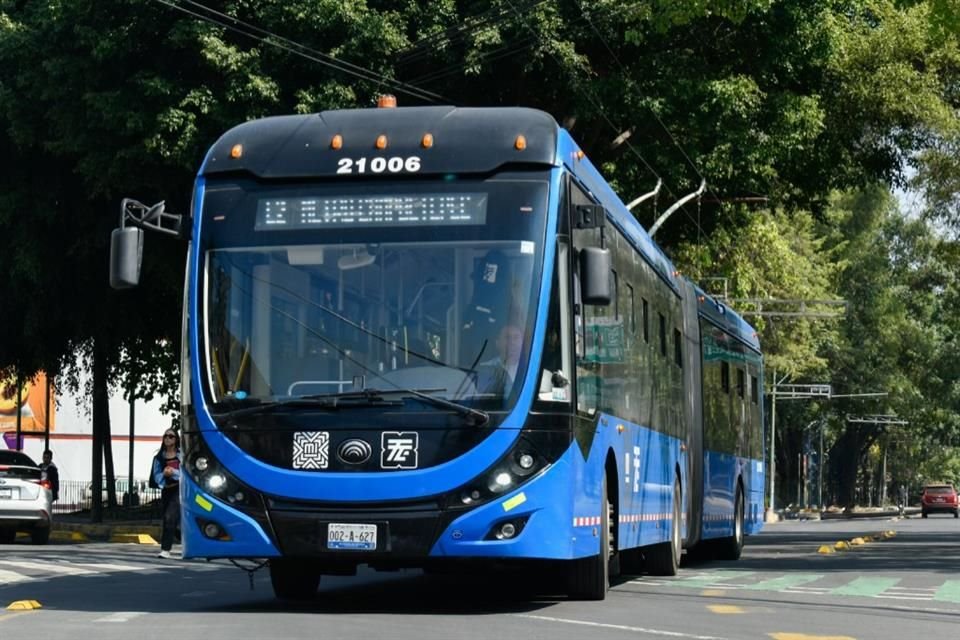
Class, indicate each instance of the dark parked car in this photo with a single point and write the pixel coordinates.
(939, 498)
(26, 503)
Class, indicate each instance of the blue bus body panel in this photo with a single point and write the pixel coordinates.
(562, 504)
(247, 538)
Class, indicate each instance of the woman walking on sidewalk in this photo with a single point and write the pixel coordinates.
(166, 475)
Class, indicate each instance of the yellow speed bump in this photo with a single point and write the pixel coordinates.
(842, 545)
(825, 548)
(23, 605)
(889, 534)
(857, 542)
(724, 608)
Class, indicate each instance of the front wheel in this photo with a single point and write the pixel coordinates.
(292, 580)
(664, 559)
(589, 578)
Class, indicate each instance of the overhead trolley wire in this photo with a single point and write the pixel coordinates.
(298, 49)
(596, 104)
(655, 115)
(471, 24)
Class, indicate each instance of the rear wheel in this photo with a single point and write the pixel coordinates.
(40, 536)
(292, 580)
(590, 577)
(664, 559)
(731, 548)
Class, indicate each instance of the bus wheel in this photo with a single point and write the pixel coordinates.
(731, 548)
(292, 580)
(664, 559)
(590, 577)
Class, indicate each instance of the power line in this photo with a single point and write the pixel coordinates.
(471, 24)
(655, 115)
(298, 49)
(596, 104)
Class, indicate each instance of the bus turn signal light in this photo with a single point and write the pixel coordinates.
(236, 151)
(337, 143)
(520, 143)
(427, 141)
(381, 142)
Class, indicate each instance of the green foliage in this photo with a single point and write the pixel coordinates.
(809, 105)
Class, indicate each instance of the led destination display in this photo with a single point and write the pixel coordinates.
(374, 211)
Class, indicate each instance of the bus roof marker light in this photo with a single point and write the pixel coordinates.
(337, 142)
(579, 155)
(387, 101)
(520, 143)
(381, 142)
(427, 141)
(236, 151)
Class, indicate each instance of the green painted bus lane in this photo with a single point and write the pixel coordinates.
(949, 591)
(866, 587)
(784, 582)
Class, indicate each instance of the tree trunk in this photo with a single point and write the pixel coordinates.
(845, 460)
(101, 427)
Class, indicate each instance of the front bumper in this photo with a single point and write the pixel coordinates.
(409, 534)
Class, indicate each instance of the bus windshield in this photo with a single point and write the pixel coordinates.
(315, 290)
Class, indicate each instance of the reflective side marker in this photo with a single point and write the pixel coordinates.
(24, 605)
(514, 502)
(205, 504)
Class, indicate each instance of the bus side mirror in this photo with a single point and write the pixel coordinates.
(126, 255)
(595, 268)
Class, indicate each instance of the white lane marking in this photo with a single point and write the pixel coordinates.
(930, 597)
(197, 594)
(621, 627)
(9, 577)
(121, 616)
(64, 569)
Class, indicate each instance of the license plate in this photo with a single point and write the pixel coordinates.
(362, 537)
(6, 493)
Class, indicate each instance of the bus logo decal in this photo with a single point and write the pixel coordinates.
(311, 449)
(399, 449)
(354, 451)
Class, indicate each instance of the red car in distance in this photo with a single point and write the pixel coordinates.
(939, 498)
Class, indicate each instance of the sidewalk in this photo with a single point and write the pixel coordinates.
(836, 514)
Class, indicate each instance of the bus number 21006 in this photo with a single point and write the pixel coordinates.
(379, 164)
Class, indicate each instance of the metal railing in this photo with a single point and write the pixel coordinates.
(76, 496)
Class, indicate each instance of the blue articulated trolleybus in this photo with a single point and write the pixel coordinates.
(431, 336)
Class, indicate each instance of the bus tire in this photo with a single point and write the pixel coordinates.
(292, 580)
(730, 548)
(664, 559)
(589, 578)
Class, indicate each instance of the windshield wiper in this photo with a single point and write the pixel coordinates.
(477, 418)
(321, 402)
(362, 397)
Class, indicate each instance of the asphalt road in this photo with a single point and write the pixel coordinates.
(782, 589)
